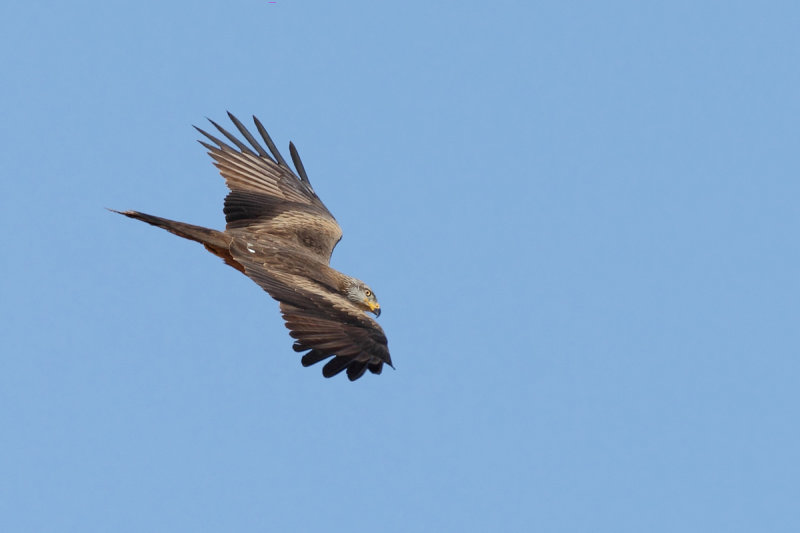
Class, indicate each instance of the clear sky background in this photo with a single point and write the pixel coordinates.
(581, 219)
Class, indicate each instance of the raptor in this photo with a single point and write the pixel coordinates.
(280, 234)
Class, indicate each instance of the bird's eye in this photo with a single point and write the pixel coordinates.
(368, 292)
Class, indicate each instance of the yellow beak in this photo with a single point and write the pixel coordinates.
(374, 307)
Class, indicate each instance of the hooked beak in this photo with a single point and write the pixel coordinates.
(374, 308)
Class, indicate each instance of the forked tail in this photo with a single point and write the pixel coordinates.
(215, 241)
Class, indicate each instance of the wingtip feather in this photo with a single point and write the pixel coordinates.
(298, 163)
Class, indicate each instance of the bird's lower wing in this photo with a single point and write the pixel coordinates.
(323, 322)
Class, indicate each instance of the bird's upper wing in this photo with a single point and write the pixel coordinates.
(323, 322)
(266, 196)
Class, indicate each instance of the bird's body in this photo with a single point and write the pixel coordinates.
(281, 235)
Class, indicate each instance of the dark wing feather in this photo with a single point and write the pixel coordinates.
(267, 197)
(355, 344)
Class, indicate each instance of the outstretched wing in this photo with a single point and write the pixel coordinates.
(356, 343)
(324, 323)
(267, 197)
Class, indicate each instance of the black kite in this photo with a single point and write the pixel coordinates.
(281, 235)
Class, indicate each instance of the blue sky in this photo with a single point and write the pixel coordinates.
(580, 218)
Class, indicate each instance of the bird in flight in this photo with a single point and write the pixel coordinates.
(281, 235)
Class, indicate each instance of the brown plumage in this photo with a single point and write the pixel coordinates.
(281, 235)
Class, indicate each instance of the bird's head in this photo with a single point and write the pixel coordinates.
(363, 297)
